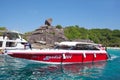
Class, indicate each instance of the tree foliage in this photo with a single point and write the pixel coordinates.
(59, 26)
(72, 32)
(104, 36)
(2, 29)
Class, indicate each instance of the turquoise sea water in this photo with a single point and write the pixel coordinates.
(18, 69)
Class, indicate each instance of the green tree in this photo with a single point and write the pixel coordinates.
(2, 29)
(72, 32)
(83, 33)
(59, 26)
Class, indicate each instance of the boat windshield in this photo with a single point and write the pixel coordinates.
(11, 35)
(63, 47)
(78, 47)
(85, 47)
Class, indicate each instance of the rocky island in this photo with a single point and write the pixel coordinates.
(46, 35)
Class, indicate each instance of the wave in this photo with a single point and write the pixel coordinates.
(113, 56)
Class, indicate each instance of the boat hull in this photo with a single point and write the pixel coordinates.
(59, 57)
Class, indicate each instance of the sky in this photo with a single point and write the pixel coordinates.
(28, 15)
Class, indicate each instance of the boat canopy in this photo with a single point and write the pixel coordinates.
(77, 46)
(74, 43)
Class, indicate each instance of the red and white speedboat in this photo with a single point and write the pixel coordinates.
(64, 53)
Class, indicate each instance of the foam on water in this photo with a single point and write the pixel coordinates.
(114, 57)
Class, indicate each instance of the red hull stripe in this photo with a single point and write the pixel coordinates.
(63, 58)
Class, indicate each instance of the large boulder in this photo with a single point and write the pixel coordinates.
(47, 34)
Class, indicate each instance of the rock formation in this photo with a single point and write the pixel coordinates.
(48, 22)
(47, 34)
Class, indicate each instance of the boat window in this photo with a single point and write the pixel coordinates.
(1, 42)
(23, 43)
(10, 44)
(85, 47)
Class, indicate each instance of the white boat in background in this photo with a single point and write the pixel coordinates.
(11, 40)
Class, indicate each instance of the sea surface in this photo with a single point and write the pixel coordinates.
(19, 69)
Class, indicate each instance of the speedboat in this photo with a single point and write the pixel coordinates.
(11, 40)
(64, 53)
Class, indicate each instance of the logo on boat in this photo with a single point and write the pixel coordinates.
(57, 57)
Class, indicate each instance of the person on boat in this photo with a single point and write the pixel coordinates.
(101, 47)
(27, 45)
(1, 51)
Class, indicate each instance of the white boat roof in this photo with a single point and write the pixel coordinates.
(10, 31)
(73, 43)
